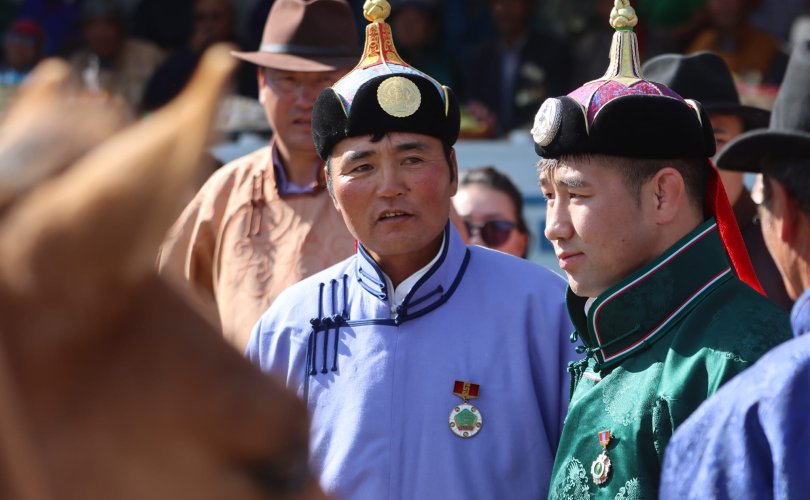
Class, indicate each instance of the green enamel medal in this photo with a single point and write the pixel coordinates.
(465, 419)
(600, 468)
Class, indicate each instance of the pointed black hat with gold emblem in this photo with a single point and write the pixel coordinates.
(383, 94)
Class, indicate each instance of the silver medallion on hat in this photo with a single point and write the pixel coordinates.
(547, 122)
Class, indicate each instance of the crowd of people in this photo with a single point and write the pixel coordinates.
(501, 57)
(354, 261)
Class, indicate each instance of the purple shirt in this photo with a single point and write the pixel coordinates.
(751, 439)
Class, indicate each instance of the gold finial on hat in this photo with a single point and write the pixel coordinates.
(376, 11)
(624, 59)
(379, 48)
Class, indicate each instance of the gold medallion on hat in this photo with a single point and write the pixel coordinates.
(399, 97)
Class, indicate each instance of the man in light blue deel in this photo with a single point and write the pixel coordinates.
(752, 438)
(430, 369)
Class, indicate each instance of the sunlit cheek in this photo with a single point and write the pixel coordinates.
(430, 179)
(344, 199)
(353, 202)
(432, 188)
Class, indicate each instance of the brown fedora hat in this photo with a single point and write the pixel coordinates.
(307, 35)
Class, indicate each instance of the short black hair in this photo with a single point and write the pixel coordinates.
(637, 171)
(794, 174)
(377, 137)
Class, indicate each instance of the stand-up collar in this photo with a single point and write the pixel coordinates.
(284, 187)
(431, 290)
(630, 315)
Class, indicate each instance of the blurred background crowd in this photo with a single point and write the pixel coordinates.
(502, 57)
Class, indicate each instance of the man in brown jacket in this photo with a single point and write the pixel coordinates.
(264, 221)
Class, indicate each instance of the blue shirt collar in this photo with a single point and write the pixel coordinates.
(431, 290)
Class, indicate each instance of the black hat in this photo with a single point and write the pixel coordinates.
(622, 114)
(788, 135)
(383, 94)
(704, 76)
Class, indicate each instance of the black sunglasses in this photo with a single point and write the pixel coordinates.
(494, 233)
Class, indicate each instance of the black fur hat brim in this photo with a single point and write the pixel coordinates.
(632, 126)
(333, 120)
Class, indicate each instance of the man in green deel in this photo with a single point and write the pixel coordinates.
(661, 291)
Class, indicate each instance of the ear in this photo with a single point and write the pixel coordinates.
(327, 175)
(786, 212)
(666, 195)
(96, 228)
(47, 128)
(454, 169)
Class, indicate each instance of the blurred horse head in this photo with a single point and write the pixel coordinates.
(110, 385)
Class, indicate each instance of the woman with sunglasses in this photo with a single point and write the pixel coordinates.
(492, 209)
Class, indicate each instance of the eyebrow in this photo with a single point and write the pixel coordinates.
(572, 182)
(358, 155)
(567, 181)
(408, 146)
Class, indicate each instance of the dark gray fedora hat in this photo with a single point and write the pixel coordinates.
(704, 77)
(307, 35)
(788, 135)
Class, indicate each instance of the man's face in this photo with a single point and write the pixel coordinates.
(288, 98)
(213, 22)
(413, 27)
(727, 14)
(394, 194)
(769, 212)
(104, 36)
(22, 52)
(600, 231)
(511, 16)
(726, 128)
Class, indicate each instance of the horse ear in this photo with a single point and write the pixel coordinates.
(47, 128)
(98, 226)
